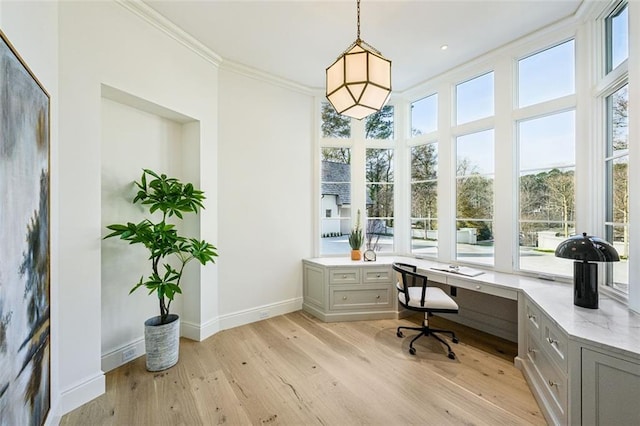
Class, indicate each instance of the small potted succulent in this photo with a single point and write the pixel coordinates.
(355, 239)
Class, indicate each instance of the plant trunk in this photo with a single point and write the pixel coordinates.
(164, 311)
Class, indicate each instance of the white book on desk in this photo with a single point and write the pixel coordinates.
(460, 270)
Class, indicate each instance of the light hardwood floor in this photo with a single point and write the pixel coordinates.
(296, 370)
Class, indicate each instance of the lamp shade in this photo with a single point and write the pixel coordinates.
(587, 248)
(359, 81)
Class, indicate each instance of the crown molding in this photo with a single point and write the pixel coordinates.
(266, 77)
(148, 14)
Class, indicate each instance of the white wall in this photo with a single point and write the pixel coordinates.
(264, 205)
(132, 139)
(32, 28)
(104, 44)
(265, 197)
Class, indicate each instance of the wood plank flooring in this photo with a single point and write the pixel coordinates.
(296, 370)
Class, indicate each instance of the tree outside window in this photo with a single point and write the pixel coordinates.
(424, 199)
(546, 166)
(474, 197)
(333, 124)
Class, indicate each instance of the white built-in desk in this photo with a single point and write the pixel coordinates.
(583, 365)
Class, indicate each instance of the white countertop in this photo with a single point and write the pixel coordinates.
(612, 326)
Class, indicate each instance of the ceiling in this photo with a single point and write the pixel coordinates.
(298, 39)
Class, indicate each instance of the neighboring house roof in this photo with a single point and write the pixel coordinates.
(336, 178)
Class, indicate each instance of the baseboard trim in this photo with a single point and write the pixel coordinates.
(123, 355)
(259, 313)
(199, 332)
(54, 417)
(81, 393)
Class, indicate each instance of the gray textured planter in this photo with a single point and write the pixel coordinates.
(162, 342)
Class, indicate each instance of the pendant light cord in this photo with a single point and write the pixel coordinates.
(359, 41)
(358, 8)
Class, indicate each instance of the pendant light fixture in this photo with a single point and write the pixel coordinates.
(359, 81)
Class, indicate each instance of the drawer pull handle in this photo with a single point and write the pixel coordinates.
(344, 277)
(478, 287)
(378, 276)
(531, 350)
(378, 297)
(344, 297)
(552, 383)
(551, 341)
(532, 317)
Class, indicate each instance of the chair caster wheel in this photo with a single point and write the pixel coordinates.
(399, 334)
(412, 351)
(452, 355)
(455, 340)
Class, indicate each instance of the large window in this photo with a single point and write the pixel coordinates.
(424, 115)
(546, 75)
(335, 199)
(379, 180)
(335, 183)
(546, 191)
(616, 166)
(424, 177)
(617, 37)
(370, 178)
(474, 153)
(614, 96)
(424, 199)
(518, 158)
(546, 160)
(474, 197)
(380, 201)
(474, 99)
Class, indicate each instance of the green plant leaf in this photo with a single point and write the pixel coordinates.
(159, 193)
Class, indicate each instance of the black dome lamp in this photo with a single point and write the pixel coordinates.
(584, 249)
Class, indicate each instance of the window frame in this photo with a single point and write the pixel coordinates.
(357, 142)
(609, 81)
(592, 85)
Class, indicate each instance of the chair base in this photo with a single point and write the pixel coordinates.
(425, 330)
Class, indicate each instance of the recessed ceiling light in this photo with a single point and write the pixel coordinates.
(444, 47)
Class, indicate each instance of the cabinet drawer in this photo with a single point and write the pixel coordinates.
(344, 276)
(366, 298)
(555, 342)
(553, 381)
(481, 287)
(533, 318)
(376, 275)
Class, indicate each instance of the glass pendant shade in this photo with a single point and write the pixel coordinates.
(359, 81)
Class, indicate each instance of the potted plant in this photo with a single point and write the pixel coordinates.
(167, 197)
(355, 239)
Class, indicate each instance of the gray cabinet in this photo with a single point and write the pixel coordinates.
(545, 362)
(610, 389)
(574, 380)
(343, 293)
